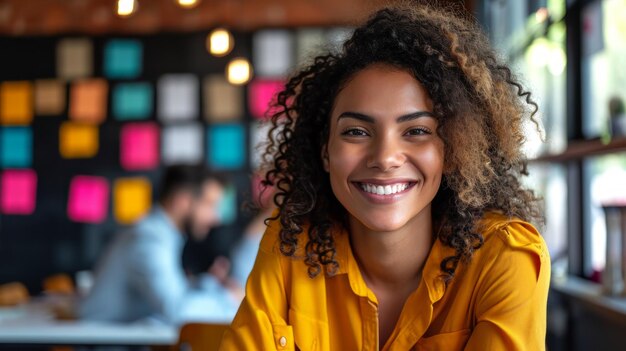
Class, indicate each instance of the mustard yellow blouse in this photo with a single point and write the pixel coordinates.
(496, 302)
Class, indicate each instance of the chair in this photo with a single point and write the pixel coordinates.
(200, 337)
(12, 294)
(59, 284)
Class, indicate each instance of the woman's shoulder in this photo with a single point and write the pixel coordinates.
(511, 241)
(512, 232)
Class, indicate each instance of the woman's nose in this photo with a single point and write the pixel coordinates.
(386, 154)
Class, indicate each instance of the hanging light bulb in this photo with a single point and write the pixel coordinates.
(238, 71)
(220, 42)
(188, 4)
(126, 8)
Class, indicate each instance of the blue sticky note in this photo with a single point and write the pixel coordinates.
(226, 146)
(123, 58)
(132, 101)
(16, 147)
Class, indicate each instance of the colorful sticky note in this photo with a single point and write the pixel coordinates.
(16, 103)
(49, 97)
(336, 37)
(226, 146)
(78, 140)
(74, 58)
(88, 199)
(177, 97)
(18, 191)
(181, 144)
(123, 58)
(16, 147)
(258, 142)
(261, 93)
(132, 101)
(139, 146)
(227, 207)
(222, 101)
(309, 43)
(132, 198)
(272, 52)
(88, 101)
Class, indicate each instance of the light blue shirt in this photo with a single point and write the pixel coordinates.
(141, 277)
(243, 256)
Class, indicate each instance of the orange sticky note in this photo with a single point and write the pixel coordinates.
(49, 97)
(88, 101)
(16, 103)
(77, 140)
(132, 198)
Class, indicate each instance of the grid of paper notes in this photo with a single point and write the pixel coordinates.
(175, 118)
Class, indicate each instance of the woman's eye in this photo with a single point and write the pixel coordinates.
(418, 131)
(354, 132)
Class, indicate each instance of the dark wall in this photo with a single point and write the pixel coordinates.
(47, 242)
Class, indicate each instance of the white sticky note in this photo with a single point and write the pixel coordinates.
(310, 42)
(337, 36)
(177, 97)
(272, 53)
(182, 144)
(258, 142)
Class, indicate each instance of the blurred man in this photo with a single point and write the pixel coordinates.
(141, 275)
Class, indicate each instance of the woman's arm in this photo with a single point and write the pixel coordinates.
(512, 300)
(261, 322)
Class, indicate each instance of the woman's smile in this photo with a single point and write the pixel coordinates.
(384, 191)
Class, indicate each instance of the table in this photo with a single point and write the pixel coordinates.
(28, 326)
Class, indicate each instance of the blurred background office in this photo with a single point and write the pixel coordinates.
(97, 97)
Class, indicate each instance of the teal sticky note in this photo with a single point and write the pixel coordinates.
(132, 101)
(123, 58)
(226, 146)
(228, 206)
(16, 147)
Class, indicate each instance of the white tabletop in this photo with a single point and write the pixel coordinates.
(22, 326)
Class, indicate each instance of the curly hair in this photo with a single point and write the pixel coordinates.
(479, 105)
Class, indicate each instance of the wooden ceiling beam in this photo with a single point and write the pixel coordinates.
(50, 17)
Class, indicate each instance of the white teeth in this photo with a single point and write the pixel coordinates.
(387, 189)
(384, 190)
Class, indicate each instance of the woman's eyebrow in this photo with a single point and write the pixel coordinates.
(369, 119)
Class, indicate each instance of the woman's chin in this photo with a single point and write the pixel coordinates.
(382, 224)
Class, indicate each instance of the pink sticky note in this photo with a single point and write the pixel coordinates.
(88, 199)
(19, 191)
(139, 146)
(261, 94)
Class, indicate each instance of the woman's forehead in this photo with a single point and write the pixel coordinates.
(382, 90)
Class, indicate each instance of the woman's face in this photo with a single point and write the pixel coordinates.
(383, 155)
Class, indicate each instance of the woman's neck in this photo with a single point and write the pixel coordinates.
(393, 259)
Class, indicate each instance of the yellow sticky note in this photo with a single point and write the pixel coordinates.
(132, 198)
(49, 97)
(88, 101)
(78, 140)
(16, 103)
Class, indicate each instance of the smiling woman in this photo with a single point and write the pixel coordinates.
(401, 221)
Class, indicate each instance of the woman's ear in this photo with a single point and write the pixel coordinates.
(325, 157)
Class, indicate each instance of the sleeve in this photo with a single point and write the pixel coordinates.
(261, 322)
(512, 299)
(158, 276)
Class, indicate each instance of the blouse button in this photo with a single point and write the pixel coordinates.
(282, 341)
